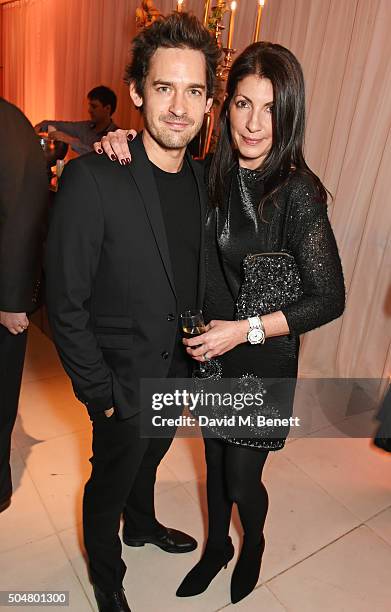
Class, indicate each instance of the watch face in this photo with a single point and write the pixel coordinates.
(255, 336)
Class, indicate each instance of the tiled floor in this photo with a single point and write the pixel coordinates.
(328, 530)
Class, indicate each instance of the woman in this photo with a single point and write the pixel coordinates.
(264, 198)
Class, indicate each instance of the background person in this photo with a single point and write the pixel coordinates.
(81, 135)
(23, 205)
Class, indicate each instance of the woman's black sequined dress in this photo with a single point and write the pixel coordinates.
(237, 230)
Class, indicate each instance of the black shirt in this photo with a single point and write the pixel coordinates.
(180, 207)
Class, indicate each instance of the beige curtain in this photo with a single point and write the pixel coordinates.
(345, 50)
(56, 50)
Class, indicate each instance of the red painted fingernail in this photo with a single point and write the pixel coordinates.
(100, 151)
(127, 160)
(130, 137)
(113, 157)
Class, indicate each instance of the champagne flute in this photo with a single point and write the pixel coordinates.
(193, 325)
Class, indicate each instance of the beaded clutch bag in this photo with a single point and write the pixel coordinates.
(270, 282)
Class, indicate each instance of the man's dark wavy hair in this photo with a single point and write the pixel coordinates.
(177, 31)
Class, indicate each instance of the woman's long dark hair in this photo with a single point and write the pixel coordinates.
(279, 65)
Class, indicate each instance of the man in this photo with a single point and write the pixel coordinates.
(124, 258)
(23, 204)
(81, 135)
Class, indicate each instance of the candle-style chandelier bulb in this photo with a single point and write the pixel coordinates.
(231, 24)
(206, 12)
(258, 22)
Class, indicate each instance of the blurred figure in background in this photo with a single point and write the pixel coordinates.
(383, 435)
(81, 135)
(23, 204)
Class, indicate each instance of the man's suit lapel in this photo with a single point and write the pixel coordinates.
(142, 173)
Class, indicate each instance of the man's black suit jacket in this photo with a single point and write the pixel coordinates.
(23, 206)
(110, 288)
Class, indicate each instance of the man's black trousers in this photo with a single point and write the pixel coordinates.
(122, 481)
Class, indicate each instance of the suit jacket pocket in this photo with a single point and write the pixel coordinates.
(116, 321)
(115, 341)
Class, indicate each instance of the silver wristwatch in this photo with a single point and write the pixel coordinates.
(256, 333)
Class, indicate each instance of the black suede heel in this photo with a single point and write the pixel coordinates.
(246, 573)
(202, 574)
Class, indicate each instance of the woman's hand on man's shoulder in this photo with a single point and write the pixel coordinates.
(116, 145)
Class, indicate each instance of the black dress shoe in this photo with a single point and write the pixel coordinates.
(169, 540)
(5, 504)
(212, 561)
(383, 443)
(114, 601)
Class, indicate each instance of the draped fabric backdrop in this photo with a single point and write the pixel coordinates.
(54, 52)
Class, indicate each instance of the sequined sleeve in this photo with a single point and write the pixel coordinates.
(311, 240)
